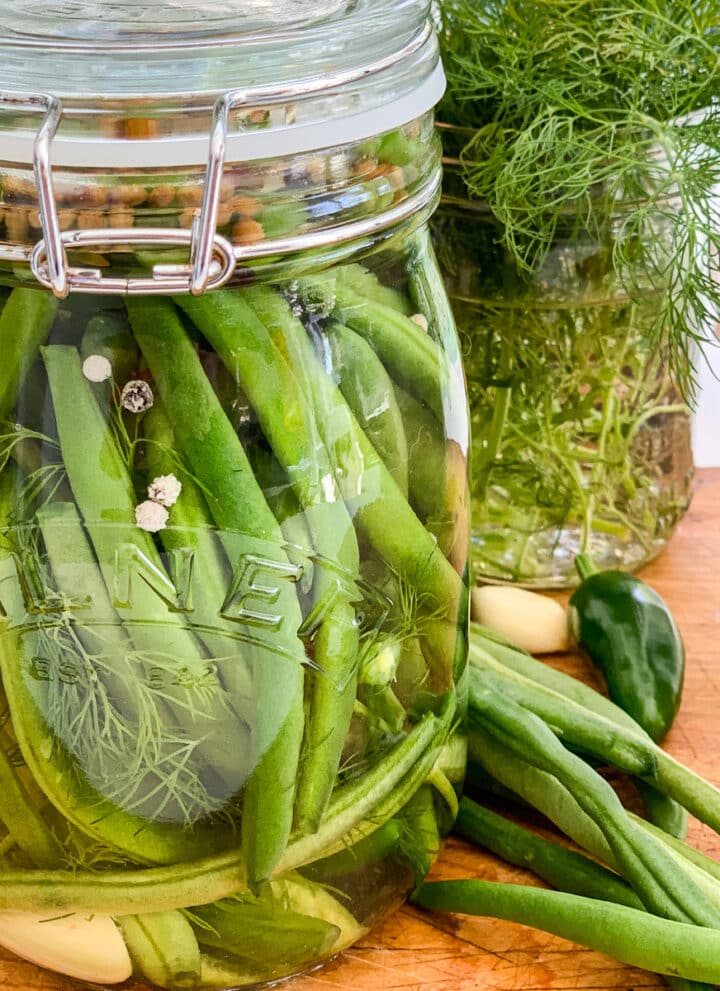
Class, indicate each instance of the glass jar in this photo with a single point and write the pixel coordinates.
(233, 509)
(580, 440)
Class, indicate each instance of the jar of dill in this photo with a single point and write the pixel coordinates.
(577, 236)
(233, 485)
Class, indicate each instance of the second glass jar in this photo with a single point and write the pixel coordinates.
(581, 441)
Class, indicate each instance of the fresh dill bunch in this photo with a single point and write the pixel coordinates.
(604, 112)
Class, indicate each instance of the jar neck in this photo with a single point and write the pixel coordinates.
(316, 205)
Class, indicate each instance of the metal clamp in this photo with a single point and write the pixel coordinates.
(164, 279)
(212, 258)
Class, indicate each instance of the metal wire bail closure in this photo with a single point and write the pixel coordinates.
(48, 259)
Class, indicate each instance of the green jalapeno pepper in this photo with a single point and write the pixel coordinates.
(631, 636)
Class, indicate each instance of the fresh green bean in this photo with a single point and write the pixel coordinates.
(369, 392)
(633, 937)
(703, 870)
(540, 790)
(206, 438)
(664, 812)
(694, 793)
(578, 727)
(680, 847)
(241, 339)
(599, 725)
(25, 323)
(562, 684)
(644, 865)
(591, 732)
(564, 869)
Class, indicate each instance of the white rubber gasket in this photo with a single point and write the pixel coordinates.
(108, 153)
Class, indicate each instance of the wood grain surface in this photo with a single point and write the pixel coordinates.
(415, 951)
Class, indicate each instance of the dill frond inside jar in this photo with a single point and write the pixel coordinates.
(580, 437)
(578, 237)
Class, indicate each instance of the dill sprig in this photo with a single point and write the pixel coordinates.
(110, 708)
(606, 114)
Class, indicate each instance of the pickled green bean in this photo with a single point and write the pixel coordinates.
(369, 392)
(207, 440)
(25, 322)
(163, 948)
(71, 794)
(241, 339)
(373, 497)
(103, 489)
(361, 806)
(411, 356)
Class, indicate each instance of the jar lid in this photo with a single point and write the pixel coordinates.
(136, 81)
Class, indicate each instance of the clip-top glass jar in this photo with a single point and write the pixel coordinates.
(233, 511)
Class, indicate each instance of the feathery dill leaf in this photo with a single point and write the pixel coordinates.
(603, 110)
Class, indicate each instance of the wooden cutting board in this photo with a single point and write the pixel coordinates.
(413, 950)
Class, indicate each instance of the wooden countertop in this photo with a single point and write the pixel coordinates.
(413, 950)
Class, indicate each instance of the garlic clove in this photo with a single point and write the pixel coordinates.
(86, 947)
(535, 623)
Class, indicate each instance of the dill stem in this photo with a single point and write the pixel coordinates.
(608, 416)
(649, 414)
(501, 405)
(607, 526)
(7, 844)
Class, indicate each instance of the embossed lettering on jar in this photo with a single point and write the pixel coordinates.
(233, 486)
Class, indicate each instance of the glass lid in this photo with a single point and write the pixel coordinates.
(88, 22)
(137, 81)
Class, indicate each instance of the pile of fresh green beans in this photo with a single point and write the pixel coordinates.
(231, 616)
(646, 897)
